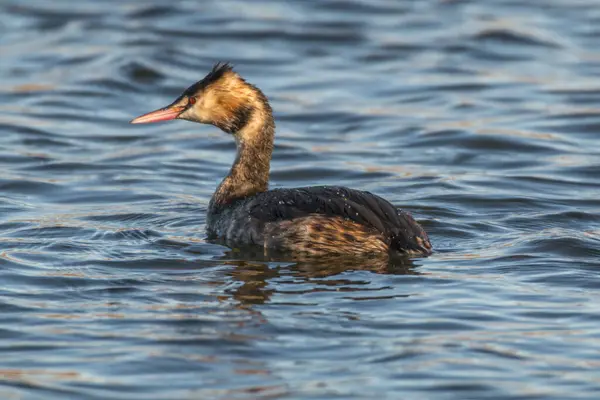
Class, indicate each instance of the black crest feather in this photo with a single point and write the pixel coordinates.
(217, 72)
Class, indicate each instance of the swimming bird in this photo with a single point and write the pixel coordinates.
(313, 221)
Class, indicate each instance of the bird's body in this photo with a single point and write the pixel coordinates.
(319, 220)
(316, 220)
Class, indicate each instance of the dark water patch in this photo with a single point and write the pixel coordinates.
(110, 85)
(289, 34)
(45, 142)
(573, 127)
(59, 13)
(65, 167)
(23, 158)
(549, 220)
(565, 184)
(154, 264)
(142, 73)
(565, 244)
(588, 172)
(28, 187)
(124, 139)
(583, 95)
(361, 7)
(488, 142)
(126, 235)
(151, 11)
(120, 218)
(315, 173)
(105, 197)
(26, 130)
(56, 232)
(511, 38)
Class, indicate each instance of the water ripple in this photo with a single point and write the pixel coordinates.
(480, 118)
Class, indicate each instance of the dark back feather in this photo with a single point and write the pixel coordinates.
(398, 227)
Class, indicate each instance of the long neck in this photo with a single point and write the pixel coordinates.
(249, 174)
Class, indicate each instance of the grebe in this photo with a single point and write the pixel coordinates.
(314, 221)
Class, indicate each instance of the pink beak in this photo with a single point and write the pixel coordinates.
(164, 114)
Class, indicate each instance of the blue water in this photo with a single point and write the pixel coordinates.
(482, 118)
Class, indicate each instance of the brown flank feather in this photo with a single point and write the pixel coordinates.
(319, 235)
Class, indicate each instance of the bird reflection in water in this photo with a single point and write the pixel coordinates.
(255, 270)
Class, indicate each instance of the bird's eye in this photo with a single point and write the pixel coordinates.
(191, 100)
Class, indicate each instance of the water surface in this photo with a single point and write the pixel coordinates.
(479, 117)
